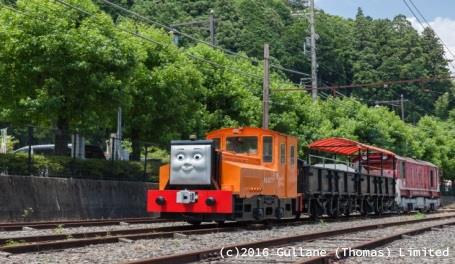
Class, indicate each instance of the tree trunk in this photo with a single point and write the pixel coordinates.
(62, 137)
(136, 145)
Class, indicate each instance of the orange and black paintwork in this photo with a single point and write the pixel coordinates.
(262, 181)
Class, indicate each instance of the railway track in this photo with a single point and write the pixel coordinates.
(26, 244)
(61, 241)
(66, 224)
(370, 244)
(327, 240)
(47, 242)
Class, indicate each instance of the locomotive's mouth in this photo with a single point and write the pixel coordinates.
(187, 168)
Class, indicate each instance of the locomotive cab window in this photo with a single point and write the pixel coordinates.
(431, 178)
(216, 143)
(283, 153)
(244, 145)
(292, 155)
(267, 143)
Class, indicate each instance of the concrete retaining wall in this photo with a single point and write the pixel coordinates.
(24, 198)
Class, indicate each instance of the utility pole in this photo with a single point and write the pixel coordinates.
(314, 65)
(194, 23)
(118, 137)
(212, 28)
(402, 107)
(174, 37)
(265, 92)
(395, 103)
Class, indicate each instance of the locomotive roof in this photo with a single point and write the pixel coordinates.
(421, 162)
(346, 147)
(246, 129)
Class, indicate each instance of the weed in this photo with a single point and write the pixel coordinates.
(11, 243)
(322, 222)
(420, 215)
(27, 212)
(59, 229)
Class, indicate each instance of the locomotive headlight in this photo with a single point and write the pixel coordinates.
(160, 200)
(191, 162)
(210, 201)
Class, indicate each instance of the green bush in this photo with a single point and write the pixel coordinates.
(58, 166)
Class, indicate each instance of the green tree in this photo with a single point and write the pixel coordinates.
(164, 88)
(229, 98)
(59, 67)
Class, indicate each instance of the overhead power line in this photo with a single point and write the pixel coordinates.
(384, 84)
(428, 25)
(117, 27)
(426, 21)
(192, 56)
(413, 13)
(12, 8)
(173, 29)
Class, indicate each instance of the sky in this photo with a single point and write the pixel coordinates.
(439, 13)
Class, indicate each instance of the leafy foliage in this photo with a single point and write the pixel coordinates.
(58, 166)
(65, 69)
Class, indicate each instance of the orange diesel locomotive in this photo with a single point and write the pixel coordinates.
(237, 174)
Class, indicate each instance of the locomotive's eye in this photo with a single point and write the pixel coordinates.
(197, 156)
(180, 156)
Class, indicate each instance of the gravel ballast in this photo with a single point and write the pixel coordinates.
(420, 246)
(142, 249)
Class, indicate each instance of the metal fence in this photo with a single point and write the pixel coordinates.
(447, 188)
(50, 152)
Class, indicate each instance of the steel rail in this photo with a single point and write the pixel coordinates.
(46, 238)
(73, 243)
(69, 221)
(216, 252)
(62, 224)
(60, 241)
(71, 240)
(370, 244)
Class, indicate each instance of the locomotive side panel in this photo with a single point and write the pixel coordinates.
(418, 185)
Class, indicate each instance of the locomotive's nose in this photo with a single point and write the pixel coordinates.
(187, 167)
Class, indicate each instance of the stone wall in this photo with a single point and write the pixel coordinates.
(24, 198)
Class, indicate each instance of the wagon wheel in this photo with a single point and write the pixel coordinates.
(315, 210)
(379, 207)
(347, 208)
(333, 210)
(365, 208)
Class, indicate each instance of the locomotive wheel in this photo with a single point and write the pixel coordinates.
(195, 223)
(297, 215)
